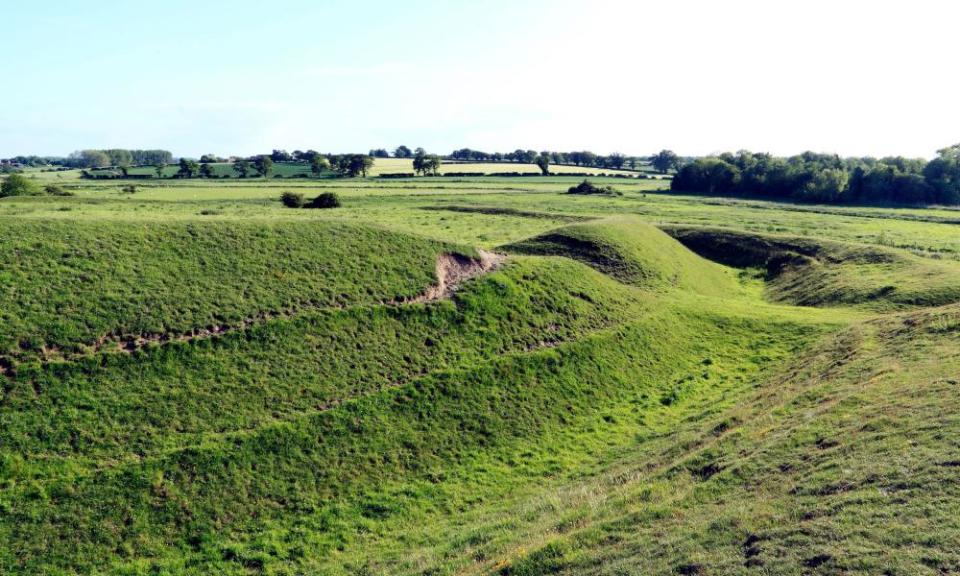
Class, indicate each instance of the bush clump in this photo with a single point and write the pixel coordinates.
(129, 189)
(587, 187)
(19, 185)
(56, 190)
(292, 199)
(325, 200)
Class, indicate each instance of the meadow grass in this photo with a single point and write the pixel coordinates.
(607, 402)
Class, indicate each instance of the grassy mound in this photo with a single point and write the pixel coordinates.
(809, 272)
(64, 286)
(632, 252)
(313, 431)
(844, 462)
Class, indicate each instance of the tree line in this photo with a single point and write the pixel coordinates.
(826, 178)
(117, 157)
(347, 165)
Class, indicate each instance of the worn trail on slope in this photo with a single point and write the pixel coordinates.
(452, 270)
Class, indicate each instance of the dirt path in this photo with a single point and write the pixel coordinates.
(452, 270)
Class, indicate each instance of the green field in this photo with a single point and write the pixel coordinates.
(382, 166)
(199, 380)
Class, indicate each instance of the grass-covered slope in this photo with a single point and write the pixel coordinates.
(810, 272)
(65, 286)
(607, 402)
(633, 252)
(282, 446)
(844, 462)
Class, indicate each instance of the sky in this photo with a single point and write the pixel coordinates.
(696, 76)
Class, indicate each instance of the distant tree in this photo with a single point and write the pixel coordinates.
(206, 170)
(402, 152)
(351, 165)
(319, 164)
(151, 157)
(209, 159)
(943, 175)
(379, 153)
(616, 160)
(19, 185)
(280, 156)
(360, 165)
(424, 163)
(543, 162)
(159, 168)
(243, 167)
(263, 165)
(90, 159)
(664, 160)
(188, 168)
(118, 157)
(308, 156)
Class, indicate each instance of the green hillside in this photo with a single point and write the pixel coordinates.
(632, 252)
(809, 272)
(361, 391)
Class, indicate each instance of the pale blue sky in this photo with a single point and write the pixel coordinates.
(243, 77)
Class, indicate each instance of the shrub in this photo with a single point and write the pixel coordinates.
(587, 187)
(19, 185)
(325, 200)
(292, 199)
(56, 190)
(129, 189)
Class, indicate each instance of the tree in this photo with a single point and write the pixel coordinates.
(664, 160)
(19, 185)
(616, 160)
(206, 170)
(351, 165)
(402, 152)
(280, 156)
(243, 167)
(424, 163)
(119, 157)
(188, 168)
(210, 159)
(319, 164)
(158, 168)
(379, 153)
(89, 159)
(543, 161)
(943, 175)
(263, 165)
(360, 165)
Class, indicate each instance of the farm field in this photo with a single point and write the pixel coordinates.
(381, 167)
(474, 375)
